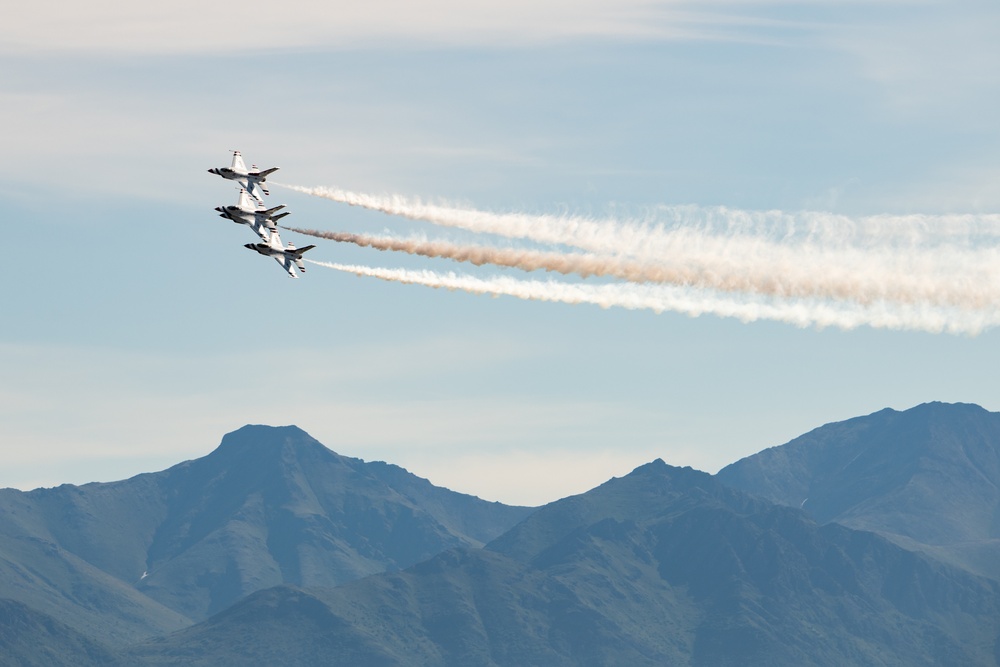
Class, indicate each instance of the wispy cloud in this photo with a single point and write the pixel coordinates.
(188, 26)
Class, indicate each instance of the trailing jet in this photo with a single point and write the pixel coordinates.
(262, 221)
(250, 179)
(285, 255)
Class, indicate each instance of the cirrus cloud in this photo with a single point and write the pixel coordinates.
(189, 26)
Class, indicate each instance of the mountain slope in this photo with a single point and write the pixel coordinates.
(928, 477)
(268, 506)
(29, 638)
(56, 582)
(663, 566)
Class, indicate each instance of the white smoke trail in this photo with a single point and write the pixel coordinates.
(634, 236)
(693, 302)
(751, 266)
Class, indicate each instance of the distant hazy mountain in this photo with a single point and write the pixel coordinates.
(664, 566)
(928, 477)
(269, 506)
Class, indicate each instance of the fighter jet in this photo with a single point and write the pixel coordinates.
(285, 255)
(262, 221)
(250, 179)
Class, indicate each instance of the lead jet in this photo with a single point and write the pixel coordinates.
(262, 221)
(251, 179)
(287, 256)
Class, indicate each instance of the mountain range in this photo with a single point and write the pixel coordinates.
(863, 542)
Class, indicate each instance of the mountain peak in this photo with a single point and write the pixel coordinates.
(269, 505)
(262, 435)
(658, 465)
(950, 407)
(933, 409)
(661, 472)
(271, 444)
(930, 473)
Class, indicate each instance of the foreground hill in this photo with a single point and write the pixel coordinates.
(148, 555)
(663, 566)
(928, 478)
(29, 638)
(55, 582)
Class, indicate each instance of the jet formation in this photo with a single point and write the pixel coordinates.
(251, 211)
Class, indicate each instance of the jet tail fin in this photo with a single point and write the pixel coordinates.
(264, 174)
(238, 164)
(245, 202)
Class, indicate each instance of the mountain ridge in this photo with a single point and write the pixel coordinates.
(269, 505)
(661, 566)
(273, 548)
(927, 477)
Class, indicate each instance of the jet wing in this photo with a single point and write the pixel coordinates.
(260, 230)
(253, 187)
(243, 181)
(286, 264)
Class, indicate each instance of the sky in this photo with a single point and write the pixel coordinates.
(137, 331)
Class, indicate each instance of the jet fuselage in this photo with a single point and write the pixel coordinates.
(250, 179)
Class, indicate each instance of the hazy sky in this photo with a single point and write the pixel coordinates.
(137, 330)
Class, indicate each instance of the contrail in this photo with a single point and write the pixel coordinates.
(749, 266)
(659, 298)
(640, 237)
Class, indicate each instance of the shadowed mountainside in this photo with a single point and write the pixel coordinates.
(269, 506)
(928, 478)
(663, 566)
(29, 638)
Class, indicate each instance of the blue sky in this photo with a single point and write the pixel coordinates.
(137, 331)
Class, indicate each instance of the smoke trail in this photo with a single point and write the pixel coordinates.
(754, 267)
(635, 236)
(696, 302)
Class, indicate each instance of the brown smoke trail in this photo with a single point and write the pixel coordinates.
(640, 236)
(783, 277)
(693, 302)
